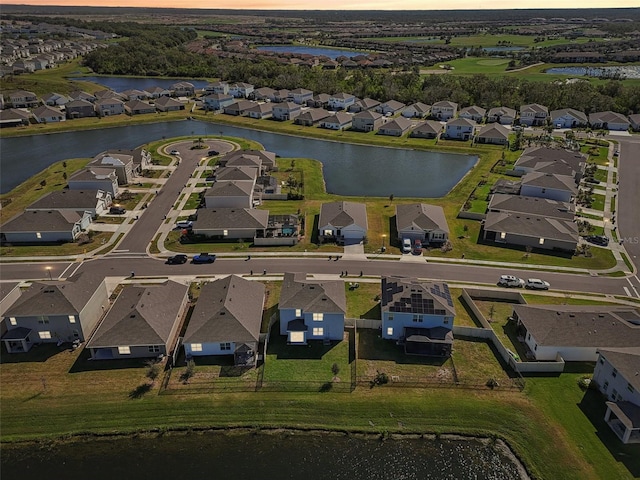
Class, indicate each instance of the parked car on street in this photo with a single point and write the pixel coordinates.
(175, 152)
(510, 281)
(406, 245)
(537, 284)
(177, 259)
(213, 153)
(598, 240)
(204, 258)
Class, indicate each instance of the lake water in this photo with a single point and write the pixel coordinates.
(502, 49)
(626, 71)
(271, 457)
(349, 169)
(317, 51)
(120, 84)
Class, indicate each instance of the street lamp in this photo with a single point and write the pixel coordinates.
(49, 272)
(383, 247)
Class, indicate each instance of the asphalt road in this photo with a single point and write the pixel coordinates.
(628, 201)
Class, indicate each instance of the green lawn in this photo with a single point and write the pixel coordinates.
(192, 202)
(598, 202)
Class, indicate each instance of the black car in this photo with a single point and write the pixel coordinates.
(117, 210)
(204, 258)
(177, 259)
(598, 240)
(213, 153)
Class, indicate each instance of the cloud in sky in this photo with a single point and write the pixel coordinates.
(339, 4)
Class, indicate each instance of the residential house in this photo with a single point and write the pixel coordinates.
(474, 113)
(14, 117)
(96, 202)
(82, 95)
(95, 178)
(460, 129)
(493, 133)
(507, 187)
(50, 226)
(363, 105)
(183, 89)
(501, 115)
(139, 157)
(231, 223)
(280, 96)
(263, 94)
(138, 107)
(80, 109)
(217, 101)
(9, 293)
(157, 92)
(23, 99)
(108, 94)
(168, 104)
(311, 309)
(634, 120)
(367, 121)
(617, 377)
(341, 101)
(249, 174)
(109, 106)
(428, 129)
(533, 115)
(122, 163)
(261, 159)
(390, 108)
(320, 100)
(286, 111)
(523, 205)
(134, 94)
(555, 161)
(55, 312)
(568, 118)
(241, 90)
(300, 96)
(239, 107)
(339, 121)
(312, 116)
(230, 193)
(529, 230)
(444, 110)
(421, 221)
(260, 111)
(396, 127)
(143, 322)
(418, 315)
(343, 222)
(575, 333)
(608, 121)
(55, 99)
(417, 110)
(46, 114)
(547, 185)
(221, 88)
(226, 320)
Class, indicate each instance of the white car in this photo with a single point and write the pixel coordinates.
(537, 284)
(406, 245)
(175, 152)
(184, 224)
(510, 281)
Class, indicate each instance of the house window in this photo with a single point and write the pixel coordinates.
(541, 241)
(72, 319)
(601, 360)
(544, 190)
(45, 335)
(154, 349)
(446, 321)
(417, 318)
(528, 336)
(43, 319)
(38, 235)
(327, 233)
(124, 350)
(225, 346)
(503, 235)
(318, 317)
(390, 331)
(535, 347)
(13, 321)
(76, 333)
(318, 331)
(630, 388)
(605, 386)
(225, 232)
(296, 337)
(614, 394)
(196, 347)
(298, 312)
(614, 374)
(390, 318)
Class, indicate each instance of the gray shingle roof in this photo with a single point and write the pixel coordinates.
(578, 115)
(430, 126)
(581, 326)
(78, 199)
(42, 221)
(494, 130)
(142, 315)
(626, 361)
(221, 218)
(230, 188)
(548, 180)
(532, 206)
(227, 310)
(343, 214)
(318, 296)
(535, 226)
(421, 216)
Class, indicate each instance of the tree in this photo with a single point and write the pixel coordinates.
(43, 183)
(335, 369)
(391, 198)
(153, 370)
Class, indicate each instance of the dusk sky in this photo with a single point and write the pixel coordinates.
(340, 4)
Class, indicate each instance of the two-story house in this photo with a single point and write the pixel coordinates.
(444, 110)
(533, 115)
(341, 101)
(286, 111)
